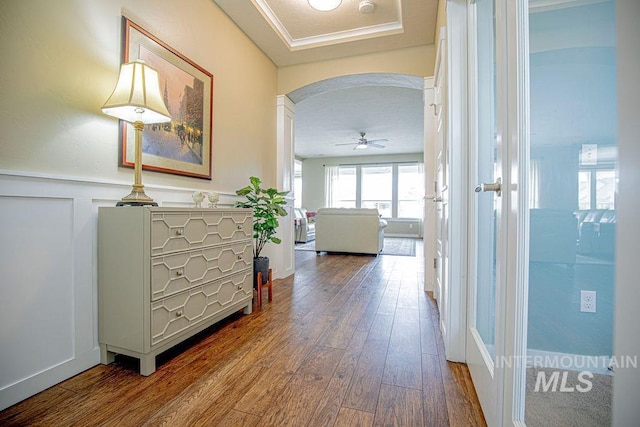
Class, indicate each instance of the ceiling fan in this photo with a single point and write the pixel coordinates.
(363, 143)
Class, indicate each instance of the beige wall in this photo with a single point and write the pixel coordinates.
(416, 61)
(61, 61)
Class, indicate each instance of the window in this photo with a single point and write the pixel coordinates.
(395, 189)
(345, 191)
(377, 184)
(584, 190)
(597, 177)
(605, 189)
(410, 191)
(297, 183)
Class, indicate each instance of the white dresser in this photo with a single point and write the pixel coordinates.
(165, 274)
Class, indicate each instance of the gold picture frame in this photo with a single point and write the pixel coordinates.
(182, 146)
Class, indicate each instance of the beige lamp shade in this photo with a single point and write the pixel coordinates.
(136, 97)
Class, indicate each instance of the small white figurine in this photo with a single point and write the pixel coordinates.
(198, 197)
(213, 199)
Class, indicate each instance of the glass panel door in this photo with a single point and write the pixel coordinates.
(486, 205)
(485, 210)
(572, 212)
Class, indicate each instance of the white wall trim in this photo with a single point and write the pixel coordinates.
(408, 236)
(226, 199)
(455, 342)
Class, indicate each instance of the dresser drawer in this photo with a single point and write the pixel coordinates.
(179, 312)
(175, 273)
(178, 231)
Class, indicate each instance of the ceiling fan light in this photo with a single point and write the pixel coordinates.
(361, 147)
(324, 5)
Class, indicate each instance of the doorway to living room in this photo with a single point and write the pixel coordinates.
(331, 117)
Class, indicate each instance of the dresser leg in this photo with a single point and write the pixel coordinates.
(249, 308)
(147, 364)
(106, 356)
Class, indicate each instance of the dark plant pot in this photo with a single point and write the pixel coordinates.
(260, 264)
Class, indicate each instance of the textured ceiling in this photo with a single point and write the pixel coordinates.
(335, 111)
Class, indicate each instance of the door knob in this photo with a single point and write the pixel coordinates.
(496, 186)
(436, 199)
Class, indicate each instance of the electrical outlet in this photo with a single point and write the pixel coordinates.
(588, 301)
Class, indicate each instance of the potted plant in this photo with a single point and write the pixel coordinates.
(267, 205)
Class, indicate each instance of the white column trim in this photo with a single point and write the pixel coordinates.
(429, 228)
(284, 258)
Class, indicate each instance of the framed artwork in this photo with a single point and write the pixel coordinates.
(182, 146)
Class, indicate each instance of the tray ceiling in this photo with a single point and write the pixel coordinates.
(292, 32)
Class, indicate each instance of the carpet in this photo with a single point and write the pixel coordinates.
(574, 408)
(398, 246)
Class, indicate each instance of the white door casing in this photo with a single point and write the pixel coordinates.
(430, 146)
(514, 300)
(285, 130)
(451, 63)
(440, 166)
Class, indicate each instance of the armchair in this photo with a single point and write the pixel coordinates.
(305, 227)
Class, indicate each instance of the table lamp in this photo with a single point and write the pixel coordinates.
(137, 100)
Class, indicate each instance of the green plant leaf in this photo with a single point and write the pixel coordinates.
(255, 181)
(267, 204)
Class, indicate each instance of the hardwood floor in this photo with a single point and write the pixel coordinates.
(349, 341)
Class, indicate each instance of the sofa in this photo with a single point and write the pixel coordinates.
(557, 236)
(596, 232)
(350, 230)
(305, 227)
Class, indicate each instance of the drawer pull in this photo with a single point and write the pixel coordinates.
(179, 273)
(239, 226)
(178, 314)
(239, 287)
(239, 257)
(179, 232)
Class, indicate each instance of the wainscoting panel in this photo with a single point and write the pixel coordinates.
(48, 287)
(36, 260)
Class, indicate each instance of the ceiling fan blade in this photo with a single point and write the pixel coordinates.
(376, 140)
(370, 144)
(348, 143)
